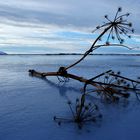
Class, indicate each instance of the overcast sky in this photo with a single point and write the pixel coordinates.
(55, 26)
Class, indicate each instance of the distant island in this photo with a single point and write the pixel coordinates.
(2, 53)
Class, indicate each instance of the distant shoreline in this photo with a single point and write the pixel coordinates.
(49, 54)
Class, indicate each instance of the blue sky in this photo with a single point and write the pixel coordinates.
(55, 26)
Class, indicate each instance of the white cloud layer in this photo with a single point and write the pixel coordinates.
(55, 24)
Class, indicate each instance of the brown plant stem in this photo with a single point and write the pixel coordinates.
(98, 85)
(91, 48)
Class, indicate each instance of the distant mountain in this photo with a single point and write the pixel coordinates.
(2, 53)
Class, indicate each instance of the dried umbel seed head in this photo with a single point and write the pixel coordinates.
(117, 28)
(127, 14)
(121, 41)
(119, 9)
(113, 37)
(106, 16)
(106, 77)
(130, 24)
(107, 43)
(98, 27)
(132, 30)
(81, 113)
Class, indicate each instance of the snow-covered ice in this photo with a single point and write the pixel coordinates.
(28, 104)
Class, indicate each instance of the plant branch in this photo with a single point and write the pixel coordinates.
(91, 48)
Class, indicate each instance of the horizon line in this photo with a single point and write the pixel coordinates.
(138, 54)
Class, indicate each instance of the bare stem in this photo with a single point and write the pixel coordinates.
(91, 48)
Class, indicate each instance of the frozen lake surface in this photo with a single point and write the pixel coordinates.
(28, 104)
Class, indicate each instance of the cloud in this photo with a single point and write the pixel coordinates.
(56, 24)
(39, 38)
(77, 13)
